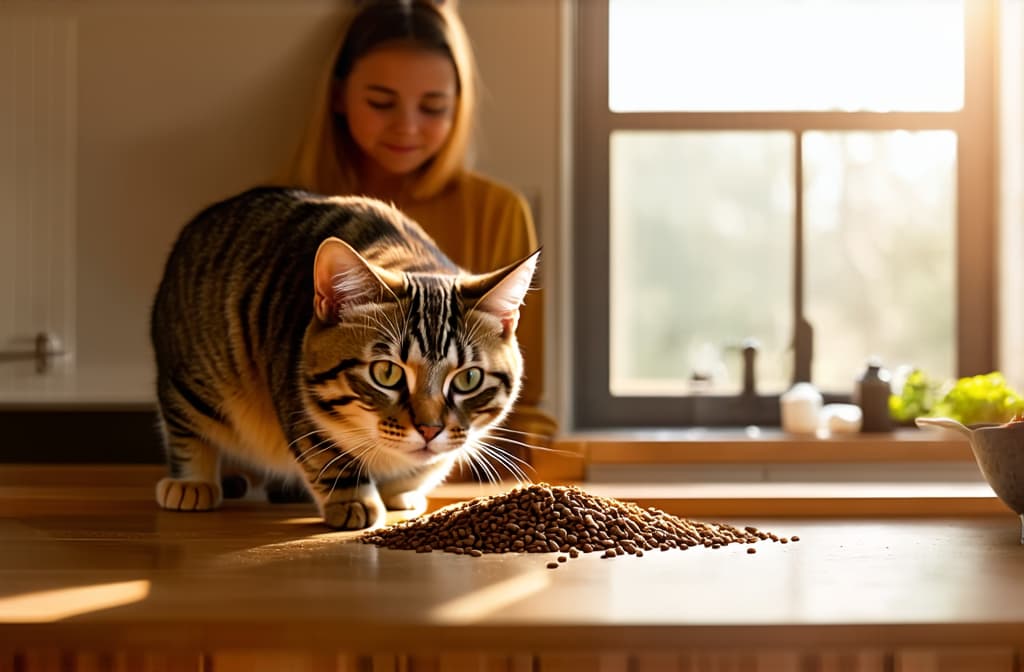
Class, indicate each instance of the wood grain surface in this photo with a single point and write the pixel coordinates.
(100, 568)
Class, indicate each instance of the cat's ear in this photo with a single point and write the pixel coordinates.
(343, 279)
(502, 292)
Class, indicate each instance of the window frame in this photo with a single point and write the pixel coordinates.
(976, 253)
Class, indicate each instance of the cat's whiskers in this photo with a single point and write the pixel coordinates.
(347, 432)
(302, 416)
(502, 451)
(532, 446)
(329, 442)
(339, 456)
(485, 472)
(502, 459)
(356, 454)
(300, 438)
(359, 450)
(492, 474)
(509, 430)
(466, 459)
(507, 460)
(514, 442)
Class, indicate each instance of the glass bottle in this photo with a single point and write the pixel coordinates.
(872, 395)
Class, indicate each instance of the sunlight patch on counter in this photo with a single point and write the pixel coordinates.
(46, 606)
(492, 598)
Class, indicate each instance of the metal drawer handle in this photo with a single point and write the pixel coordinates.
(46, 349)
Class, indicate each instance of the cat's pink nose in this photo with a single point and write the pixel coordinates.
(429, 431)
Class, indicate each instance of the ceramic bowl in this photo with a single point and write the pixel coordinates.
(999, 452)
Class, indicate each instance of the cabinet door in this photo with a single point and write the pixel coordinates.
(37, 203)
(989, 659)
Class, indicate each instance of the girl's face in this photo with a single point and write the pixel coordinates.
(399, 102)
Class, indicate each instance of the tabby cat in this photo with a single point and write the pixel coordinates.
(329, 339)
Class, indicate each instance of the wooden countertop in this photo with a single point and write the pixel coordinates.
(100, 566)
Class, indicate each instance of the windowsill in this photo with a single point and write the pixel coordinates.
(793, 475)
(767, 445)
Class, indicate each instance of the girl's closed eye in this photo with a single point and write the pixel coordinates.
(380, 104)
(434, 110)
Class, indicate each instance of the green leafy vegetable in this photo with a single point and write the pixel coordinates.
(917, 398)
(984, 398)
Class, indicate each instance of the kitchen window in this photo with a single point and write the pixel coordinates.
(772, 191)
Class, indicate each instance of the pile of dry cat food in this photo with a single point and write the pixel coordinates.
(541, 518)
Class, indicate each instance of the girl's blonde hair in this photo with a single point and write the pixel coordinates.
(321, 163)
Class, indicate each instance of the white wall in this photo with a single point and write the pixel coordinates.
(181, 103)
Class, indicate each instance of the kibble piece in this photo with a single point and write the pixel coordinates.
(751, 550)
(552, 565)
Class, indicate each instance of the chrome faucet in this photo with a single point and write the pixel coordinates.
(749, 351)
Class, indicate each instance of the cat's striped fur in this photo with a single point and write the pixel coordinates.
(327, 338)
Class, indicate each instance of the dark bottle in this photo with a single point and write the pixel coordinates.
(872, 395)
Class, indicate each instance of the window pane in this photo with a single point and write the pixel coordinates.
(701, 257)
(678, 55)
(880, 232)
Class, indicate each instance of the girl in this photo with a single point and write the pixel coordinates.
(393, 120)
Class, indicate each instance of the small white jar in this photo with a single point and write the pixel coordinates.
(800, 407)
(841, 418)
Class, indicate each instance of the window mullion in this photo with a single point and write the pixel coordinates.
(803, 341)
(780, 121)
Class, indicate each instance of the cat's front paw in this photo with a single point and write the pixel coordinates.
(413, 500)
(181, 495)
(354, 514)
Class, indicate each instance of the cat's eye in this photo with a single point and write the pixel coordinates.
(468, 380)
(387, 374)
